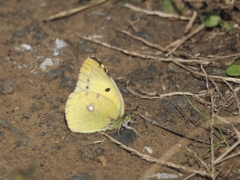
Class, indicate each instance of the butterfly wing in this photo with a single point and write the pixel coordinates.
(96, 101)
(88, 112)
(94, 77)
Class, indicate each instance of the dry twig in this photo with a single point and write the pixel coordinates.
(219, 78)
(230, 149)
(144, 56)
(155, 95)
(74, 10)
(191, 21)
(171, 130)
(158, 161)
(176, 44)
(156, 13)
(155, 46)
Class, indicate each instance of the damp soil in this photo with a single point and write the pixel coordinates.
(39, 67)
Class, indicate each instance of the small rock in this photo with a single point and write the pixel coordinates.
(7, 86)
(99, 151)
(145, 34)
(36, 106)
(4, 50)
(68, 82)
(82, 47)
(173, 68)
(58, 147)
(146, 73)
(53, 74)
(1, 135)
(81, 177)
(124, 136)
(22, 32)
(25, 118)
(39, 33)
(19, 143)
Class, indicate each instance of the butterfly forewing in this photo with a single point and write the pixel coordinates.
(95, 77)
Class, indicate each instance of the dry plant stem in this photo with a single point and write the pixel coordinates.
(158, 47)
(160, 96)
(155, 46)
(228, 119)
(190, 176)
(196, 0)
(220, 158)
(211, 124)
(235, 96)
(153, 122)
(179, 42)
(199, 159)
(143, 56)
(211, 138)
(74, 10)
(158, 161)
(219, 78)
(216, 87)
(191, 21)
(5, 124)
(213, 58)
(132, 24)
(228, 157)
(156, 13)
(206, 77)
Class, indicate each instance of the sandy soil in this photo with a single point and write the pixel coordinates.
(40, 62)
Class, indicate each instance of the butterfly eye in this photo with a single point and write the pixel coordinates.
(107, 89)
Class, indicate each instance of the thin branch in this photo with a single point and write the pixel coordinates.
(156, 95)
(156, 13)
(179, 42)
(144, 56)
(191, 21)
(74, 10)
(155, 46)
(158, 161)
(170, 130)
(220, 158)
(220, 78)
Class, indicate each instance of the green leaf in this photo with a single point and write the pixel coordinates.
(139, 1)
(233, 70)
(227, 27)
(168, 6)
(211, 19)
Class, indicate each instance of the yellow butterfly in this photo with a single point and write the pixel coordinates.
(96, 104)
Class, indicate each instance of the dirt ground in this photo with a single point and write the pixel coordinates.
(40, 62)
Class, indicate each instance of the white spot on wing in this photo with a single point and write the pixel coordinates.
(90, 107)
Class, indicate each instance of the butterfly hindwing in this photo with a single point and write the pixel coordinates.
(87, 111)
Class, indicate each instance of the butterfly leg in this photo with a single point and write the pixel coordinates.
(130, 128)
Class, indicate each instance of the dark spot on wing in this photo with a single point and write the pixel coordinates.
(100, 64)
(96, 59)
(107, 89)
